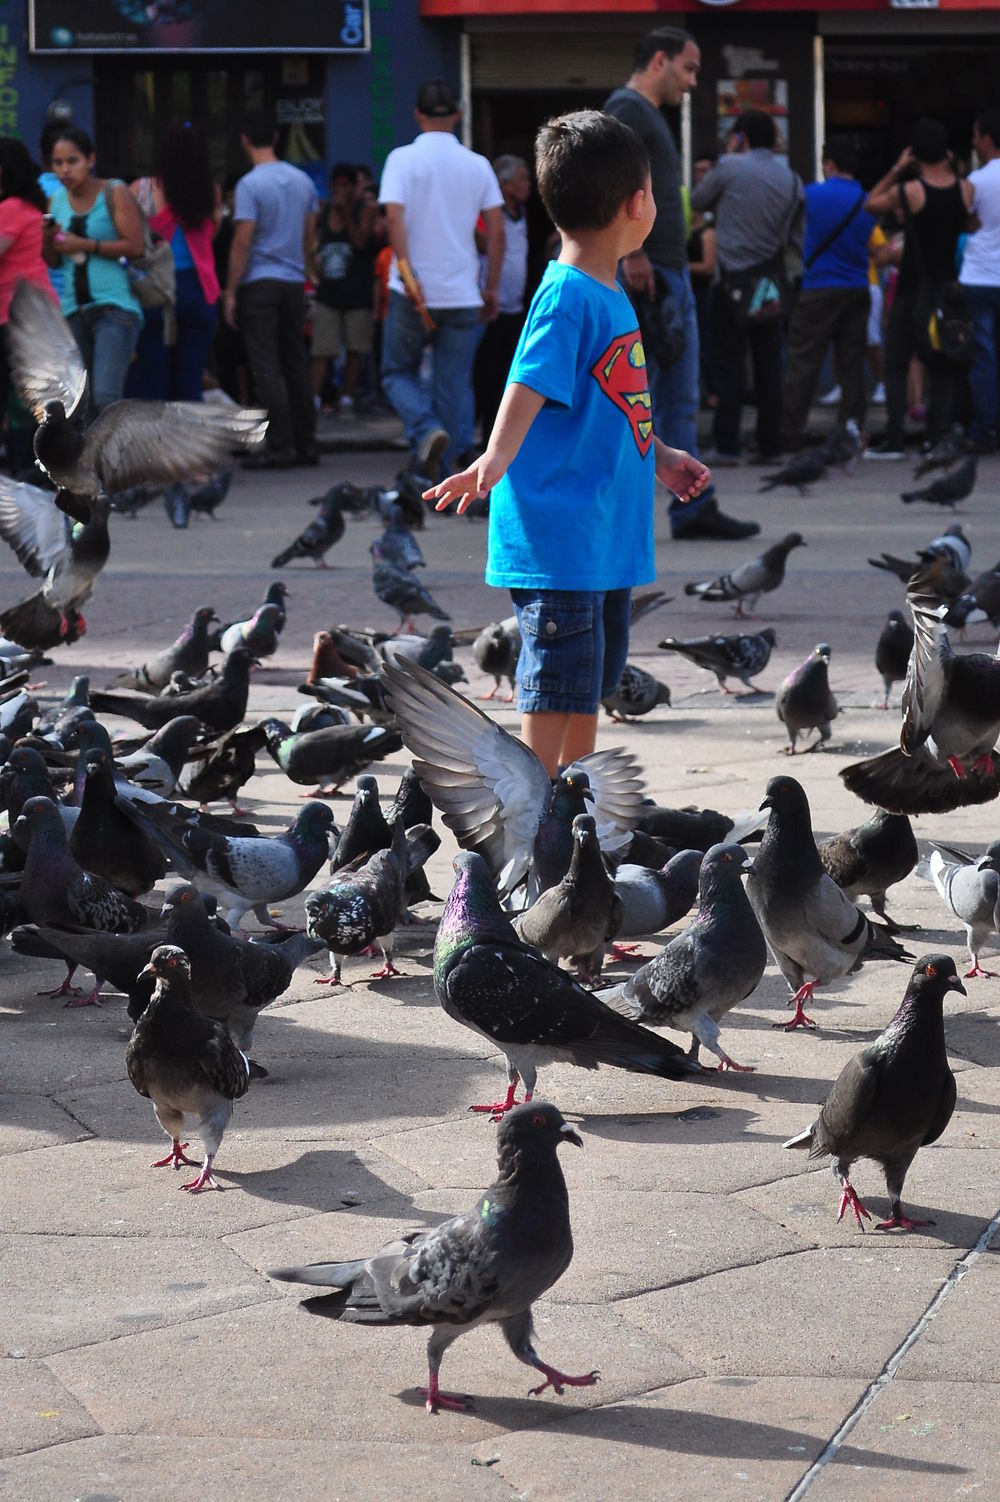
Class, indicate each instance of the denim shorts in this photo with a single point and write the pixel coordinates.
(573, 648)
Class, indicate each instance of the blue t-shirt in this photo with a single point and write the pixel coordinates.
(575, 509)
(845, 262)
(278, 198)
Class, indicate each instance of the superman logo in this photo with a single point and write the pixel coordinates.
(621, 374)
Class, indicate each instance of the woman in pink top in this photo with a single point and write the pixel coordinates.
(22, 204)
(182, 204)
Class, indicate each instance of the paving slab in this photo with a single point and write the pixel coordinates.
(36, 1410)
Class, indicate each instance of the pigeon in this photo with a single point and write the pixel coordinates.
(801, 472)
(277, 594)
(981, 601)
(636, 694)
(653, 900)
(67, 556)
(328, 757)
(249, 871)
(365, 829)
(186, 1064)
(485, 1267)
(951, 720)
(129, 442)
(579, 916)
(689, 828)
(115, 958)
(327, 661)
(259, 635)
(805, 701)
(403, 592)
(157, 765)
(221, 705)
(489, 980)
(946, 451)
(188, 654)
(361, 908)
(493, 791)
(430, 651)
(496, 650)
(751, 580)
(106, 842)
(205, 496)
(131, 501)
(971, 893)
(868, 860)
(62, 716)
(892, 652)
(741, 657)
(894, 1097)
(704, 972)
(55, 889)
(177, 504)
(320, 535)
(949, 489)
(398, 544)
(812, 928)
(405, 496)
(843, 446)
(225, 768)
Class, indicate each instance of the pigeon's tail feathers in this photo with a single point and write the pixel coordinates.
(421, 843)
(802, 1141)
(916, 785)
(286, 556)
(617, 999)
(713, 589)
(880, 945)
(924, 869)
(625, 1045)
(320, 1274)
(34, 623)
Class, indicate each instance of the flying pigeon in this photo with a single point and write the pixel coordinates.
(805, 701)
(751, 580)
(741, 657)
(67, 556)
(894, 1097)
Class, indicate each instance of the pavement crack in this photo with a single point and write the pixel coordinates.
(832, 1448)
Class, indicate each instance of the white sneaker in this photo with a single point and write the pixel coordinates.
(877, 397)
(345, 404)
(830, 398)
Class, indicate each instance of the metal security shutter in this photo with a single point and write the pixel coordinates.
(547, 60)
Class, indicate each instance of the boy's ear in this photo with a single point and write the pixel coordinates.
(635, 206)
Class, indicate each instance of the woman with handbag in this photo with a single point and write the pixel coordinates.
(923, 193)
(183, 206)
(96, 225)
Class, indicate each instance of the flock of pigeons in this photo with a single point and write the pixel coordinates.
(549, 877)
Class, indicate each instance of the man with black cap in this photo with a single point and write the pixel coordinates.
(434, 192)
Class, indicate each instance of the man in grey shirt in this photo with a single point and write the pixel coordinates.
(667, 61)
(274, 216)
(759, 206)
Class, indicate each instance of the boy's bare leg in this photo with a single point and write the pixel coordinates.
(557, 738)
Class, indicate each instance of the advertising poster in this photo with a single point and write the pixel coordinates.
(60, 26)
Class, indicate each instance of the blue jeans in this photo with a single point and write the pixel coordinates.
(106, 336)
(675, 391)
(982, 306)
(438, 405)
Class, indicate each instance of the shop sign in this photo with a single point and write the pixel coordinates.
(193, 26)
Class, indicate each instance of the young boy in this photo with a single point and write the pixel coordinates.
(571, 460)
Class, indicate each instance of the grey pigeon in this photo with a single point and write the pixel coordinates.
(157, 766)
(892, 652)
(430, 651)
(843, 446)
(800, 472)
(972, 895)
(186, 1064)
(221, 705)
(398, 545)
(949, 489)
(496, 650)
(402, 591)
(746, 584)
(868, 860)
(129, 442)
(981, 601)
(259, 635)
(652, 900)
(66, 556)
(814, 931)
(485, 1267)
(188, 654)
(741, 657)
(578, 917)
(55, 889)
(894, 1097)
(946, 451)
(276, 594)
(704, 972)
(637, 693)
(805, 701)
(487, 979)
(330, 756)
(951, 720)
(321, 534)
(226, 766)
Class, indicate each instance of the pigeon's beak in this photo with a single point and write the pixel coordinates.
(569, 1135)
(955, 984)
(748, 865)
(146, 970)
(765, 803)
(167, 907)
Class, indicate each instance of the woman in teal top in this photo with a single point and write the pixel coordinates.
(96, 223)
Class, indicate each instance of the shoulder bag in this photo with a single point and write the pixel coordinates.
(761, 293)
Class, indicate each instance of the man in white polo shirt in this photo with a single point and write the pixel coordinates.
(434, 192)
(980, 279)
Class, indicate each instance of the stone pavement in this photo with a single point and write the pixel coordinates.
(738, 1327)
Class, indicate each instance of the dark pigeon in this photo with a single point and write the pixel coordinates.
(892, 652)
(893, 1098)
(225, 768)
(496, 650)
(365, 830)
(67, 556)
(741, 657)
(746, 584)
(321, 534)
(637, 693)
(403, 592)
(362, 906)
(55, 889)
(805, 701)
(106, 842)
(398, 544)
(946, 451)
(799, 473)
(868, 860)
(221, 705)
(188, 654)
(328, 757)
(578, 917)
(948, 489)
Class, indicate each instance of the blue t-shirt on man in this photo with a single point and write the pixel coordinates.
(575, 509)
(278, 198)
(845, 262)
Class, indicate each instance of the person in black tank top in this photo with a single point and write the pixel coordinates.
(939, 207)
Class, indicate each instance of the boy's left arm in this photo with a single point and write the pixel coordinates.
(680, 471)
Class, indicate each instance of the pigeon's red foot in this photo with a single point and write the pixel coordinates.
(984, 764)
(850, 1198)
(203, 1181)
(239, 813)
(319, 793)
(978, 973)
(65, 989)
(625, 951)
(176, 1157)
(92, 998)
(958, 767)
(437, 1399)
(728, 1063)
(387, 969)
(558, 1380)
(883, 704)
(804, 993)
(501, 1107)
(900, 1221)
(485, 698)
(328, 980)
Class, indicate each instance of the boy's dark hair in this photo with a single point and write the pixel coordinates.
(988, 124)
(757, 129)
(929, 141)
(259, 128)
(587, 165)
(842, 153)
(668, 39)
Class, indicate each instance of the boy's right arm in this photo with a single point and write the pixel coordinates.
(518, 410)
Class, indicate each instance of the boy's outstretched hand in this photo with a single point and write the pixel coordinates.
(680, 471)
(467, 486)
